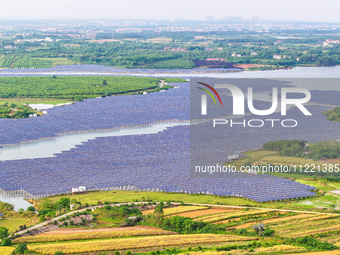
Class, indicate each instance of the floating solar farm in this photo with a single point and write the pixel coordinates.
(153, 162)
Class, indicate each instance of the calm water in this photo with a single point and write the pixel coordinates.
(74, 70)
(298, 72)
(18, 202)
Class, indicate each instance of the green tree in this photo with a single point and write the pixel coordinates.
(3, 232)
(159, 208)
(65, 202)
(104, 83)
(6, 242)
(31, 209)
(21, 249)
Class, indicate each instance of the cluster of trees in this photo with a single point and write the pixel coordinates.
(324, 150)
(333, 115)
(184, 225)
(298, 148)
(5, 241)
(48, 209)
(6, 207)
(290, 148)
(310, 243)
(13, 111)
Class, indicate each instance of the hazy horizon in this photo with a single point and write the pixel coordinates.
(288, 10)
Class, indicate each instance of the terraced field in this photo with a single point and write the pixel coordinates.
(6, 250)
(135, 243)
(285, 224)
(230, 215)
(178, 210)
(198, 213)
(88, 234)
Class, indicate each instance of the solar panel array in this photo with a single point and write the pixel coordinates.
(159, 161)
(155, 161)
(99, 113)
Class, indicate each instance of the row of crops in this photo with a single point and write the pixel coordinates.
(18, 61)
(73, 87)
(134, 243)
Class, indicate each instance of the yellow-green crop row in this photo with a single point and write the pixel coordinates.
(182, 209)
(280, 248)
(90, 235)
(4, 250)
(134, 243)
(311, 218)
(225, 216)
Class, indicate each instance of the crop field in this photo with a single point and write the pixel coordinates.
(179, 209)
(285, 224)
(91, 235)
(6, 250)
(57, 61)
(18, 61)
(272, 220)
(230, 215)
(27, 62)
(6, 61)
(299, 225)
(194, 214)
(72, 87)
(335, 252)
(280, 248)
(135, 243)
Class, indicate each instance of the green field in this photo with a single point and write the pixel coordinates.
(76, 87)
(128, 196)
(22, 61)
(58, 61)
(12, 222)
(24, 100)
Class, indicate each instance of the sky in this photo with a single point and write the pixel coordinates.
(286, 10)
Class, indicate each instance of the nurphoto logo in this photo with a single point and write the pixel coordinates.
(277, 104)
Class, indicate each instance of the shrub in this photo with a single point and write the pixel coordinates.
(6, 242)
(268, 232)
(3, 232)
(21, 249)
(31, 209)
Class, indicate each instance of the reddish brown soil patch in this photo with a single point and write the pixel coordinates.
(334, 161)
